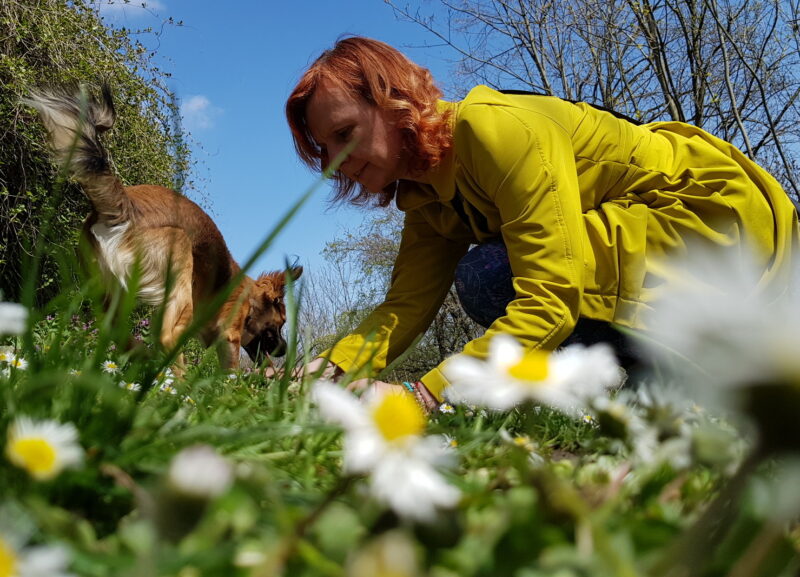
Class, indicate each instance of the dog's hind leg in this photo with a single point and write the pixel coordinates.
(177, 317)
(179, 308)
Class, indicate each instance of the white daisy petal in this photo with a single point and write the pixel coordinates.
(727, 330)
(362, 450)
(44, 561)
(412, 487)
(504, 352)
(338, 406)
(200, 471)
(13, 319)
(390, 554)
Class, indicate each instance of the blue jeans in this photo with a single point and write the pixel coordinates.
(484, 287)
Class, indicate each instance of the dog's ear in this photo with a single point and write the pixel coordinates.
(273, 283)
(270, 285)
(295, 272)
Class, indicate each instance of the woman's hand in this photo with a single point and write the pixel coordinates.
(330, 372)
(423, 396)
(333, 372)
(361, 385)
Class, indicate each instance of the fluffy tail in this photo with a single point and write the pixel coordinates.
(74, 122)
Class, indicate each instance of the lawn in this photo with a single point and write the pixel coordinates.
(112, 466)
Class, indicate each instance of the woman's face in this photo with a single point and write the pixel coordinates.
(336, 119)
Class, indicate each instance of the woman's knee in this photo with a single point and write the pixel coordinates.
(483, 282)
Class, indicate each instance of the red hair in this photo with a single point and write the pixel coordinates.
(384, 77)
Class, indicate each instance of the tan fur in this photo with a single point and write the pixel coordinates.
(173, 241)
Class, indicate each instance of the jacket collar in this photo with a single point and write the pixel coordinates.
(442, 179)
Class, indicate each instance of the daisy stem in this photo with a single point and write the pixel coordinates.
(690, 551)
(757, 554)
(291, 542)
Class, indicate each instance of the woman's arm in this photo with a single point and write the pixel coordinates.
(423, 273)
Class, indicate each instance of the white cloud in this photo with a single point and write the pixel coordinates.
(198, 113)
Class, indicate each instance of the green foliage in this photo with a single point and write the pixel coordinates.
(55, 42)
(543, 494)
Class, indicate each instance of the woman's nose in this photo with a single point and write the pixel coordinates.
(336, 156)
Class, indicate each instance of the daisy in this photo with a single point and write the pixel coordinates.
(524, 442)
(200, 472)
(648, 442)
(733, 341)
(166, 376)
(164, 379)
(168, 388)
(13, 319)
(110, 367)
(18, 363)
(43, 560)
(6, 356)
(130, 386)
(664, 406)
(250, 556)
(565, 380)
(447, 409)
(43, 448)
(449, 441)
(392, 554)
(727, 325)
(384, 438)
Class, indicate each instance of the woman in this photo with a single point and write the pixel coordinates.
(579, 205)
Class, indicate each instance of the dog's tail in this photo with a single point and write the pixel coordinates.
(74, 121)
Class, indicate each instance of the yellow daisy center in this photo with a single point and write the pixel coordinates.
(522, 440)
(532, 367)
(8, 560)
(398, 415)
(36, 456)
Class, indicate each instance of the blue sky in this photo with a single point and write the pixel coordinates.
(233, 65)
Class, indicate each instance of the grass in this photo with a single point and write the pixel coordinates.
(549, 495)
(543, 494)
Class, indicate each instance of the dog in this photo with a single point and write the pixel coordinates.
(183, 261)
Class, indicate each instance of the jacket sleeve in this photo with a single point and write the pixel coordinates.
(523, 163)
(423, 273)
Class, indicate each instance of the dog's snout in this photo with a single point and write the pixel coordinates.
(280, 348)
(269, 342)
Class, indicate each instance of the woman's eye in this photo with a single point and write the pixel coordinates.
(344, 134)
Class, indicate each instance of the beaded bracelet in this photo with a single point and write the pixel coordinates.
(415, 389)
(410, 388)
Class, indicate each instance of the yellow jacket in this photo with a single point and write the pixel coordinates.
(586, 204)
